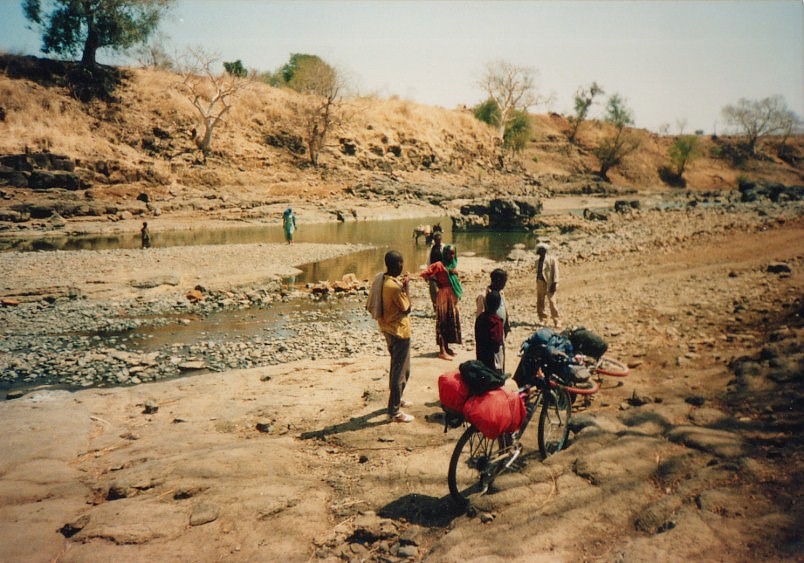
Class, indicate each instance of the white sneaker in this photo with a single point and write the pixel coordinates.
(402, 417)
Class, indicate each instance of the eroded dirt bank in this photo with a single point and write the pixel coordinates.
(696, 456)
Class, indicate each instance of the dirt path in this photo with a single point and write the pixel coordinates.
(707, 467)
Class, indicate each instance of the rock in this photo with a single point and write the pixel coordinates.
(658, 517)
(779, 268)
(194, 296)
(192, 365)
(150, 407)
(156, 281)
(695, 400)
(408, 551)
(16, 394)
(204, 513)
(264, 426)
(718, 442)
(9, 302)
(72, 528)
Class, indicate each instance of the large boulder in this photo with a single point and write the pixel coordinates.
(498, 214)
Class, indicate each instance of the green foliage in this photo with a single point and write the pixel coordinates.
(683, 152)
(583, 101)
(70, 26)
(617, 113)
(612, 150)
(235, 68)
(488, 112)
(517, 132)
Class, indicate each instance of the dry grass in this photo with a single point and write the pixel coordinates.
(388, 135)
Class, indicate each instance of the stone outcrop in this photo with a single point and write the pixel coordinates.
(40, 171)
(498, 214)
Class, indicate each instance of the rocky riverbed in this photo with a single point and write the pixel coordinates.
(92, 324)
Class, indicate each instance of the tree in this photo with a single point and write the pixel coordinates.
(584, 98)
(320, 107)
(758, 118)
(682, 153)
(235, 68)
(511, 88)
(70, 26)
(210, 92)
(612, 150)
(153, 54)
(518, 132)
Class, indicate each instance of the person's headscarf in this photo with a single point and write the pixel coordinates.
(457, 288)
(288, 211)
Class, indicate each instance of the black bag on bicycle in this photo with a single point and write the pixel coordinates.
(547, 350)
(480, 378)
(586, 342)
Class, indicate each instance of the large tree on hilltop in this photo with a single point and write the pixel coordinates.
(73, 26)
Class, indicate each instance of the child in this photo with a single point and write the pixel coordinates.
(490, 334)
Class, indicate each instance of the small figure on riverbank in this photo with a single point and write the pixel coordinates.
(499, 278)
(448, 319)
(394, 322)
(289, 224)
(145, 235)
(436, 255)
(490, 334)
(546, 283)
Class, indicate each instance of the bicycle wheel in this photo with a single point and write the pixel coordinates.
(607, 366)
(554, 421)
(475, 463)
(527, 438)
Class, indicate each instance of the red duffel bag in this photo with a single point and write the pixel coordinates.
(496, 412)
(452, 391)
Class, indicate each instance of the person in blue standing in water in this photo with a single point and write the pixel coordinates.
(289, 224)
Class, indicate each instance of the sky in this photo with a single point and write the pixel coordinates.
(676, 63)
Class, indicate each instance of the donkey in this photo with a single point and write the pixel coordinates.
(427, 231)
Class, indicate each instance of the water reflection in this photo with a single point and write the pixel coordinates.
(384, 235)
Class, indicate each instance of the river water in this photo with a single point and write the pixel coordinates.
(383, 235)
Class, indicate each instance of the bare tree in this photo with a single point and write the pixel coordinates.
(584, 98)
(758, 118)
(320, 109)
(153, 54)
(211, 92)
(512, 88)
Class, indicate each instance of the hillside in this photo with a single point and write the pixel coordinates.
(141, 141)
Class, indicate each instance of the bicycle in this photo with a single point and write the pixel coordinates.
(477, 460)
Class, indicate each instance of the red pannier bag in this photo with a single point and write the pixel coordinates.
(452, 391)
(495, 412)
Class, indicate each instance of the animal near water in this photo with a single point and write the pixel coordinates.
(427, 231)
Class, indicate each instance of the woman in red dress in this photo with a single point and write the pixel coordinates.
(448, 319)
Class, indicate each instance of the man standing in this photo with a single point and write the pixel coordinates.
(436, 255)
(394, 324)
(546, 283)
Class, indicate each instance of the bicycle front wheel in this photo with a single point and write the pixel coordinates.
(475, 463)
(554, 421)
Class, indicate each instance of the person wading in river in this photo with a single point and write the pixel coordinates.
(448, 319)
(394, 323)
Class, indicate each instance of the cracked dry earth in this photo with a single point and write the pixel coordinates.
(695, 456)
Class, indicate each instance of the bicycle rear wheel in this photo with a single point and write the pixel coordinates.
(475, 462)
(554, 421)
(607, 366)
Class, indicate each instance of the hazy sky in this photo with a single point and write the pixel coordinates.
(671, 61)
